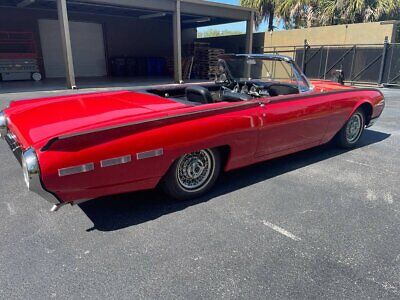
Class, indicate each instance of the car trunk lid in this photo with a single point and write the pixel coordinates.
(34, 121)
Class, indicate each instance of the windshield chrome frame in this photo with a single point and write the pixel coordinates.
(299, 75)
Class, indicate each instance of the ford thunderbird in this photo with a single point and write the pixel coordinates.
(180, 137)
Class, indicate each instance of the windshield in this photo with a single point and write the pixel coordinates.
(264, 69)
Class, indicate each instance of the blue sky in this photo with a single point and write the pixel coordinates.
(232, 26)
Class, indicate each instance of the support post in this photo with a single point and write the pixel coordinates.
(326, 61)
(353, 60)
(177, 42)
(304, 61)
(249, 43)
(249, 34)
(383, 62)
(66, 43)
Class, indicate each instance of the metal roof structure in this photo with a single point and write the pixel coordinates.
(194, 13)
(180, 14)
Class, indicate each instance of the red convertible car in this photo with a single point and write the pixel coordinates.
(79, 147)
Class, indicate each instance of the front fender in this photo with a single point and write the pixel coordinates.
(372, 104)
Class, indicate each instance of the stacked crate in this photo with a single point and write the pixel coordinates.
(213, 54)
(201, 65)
(199, 61)
(187, 66)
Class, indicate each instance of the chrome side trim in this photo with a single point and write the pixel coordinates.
(3, 125)
(149, 154)
(76, 169)
(31, 170)
(115, 161)
(155, 121)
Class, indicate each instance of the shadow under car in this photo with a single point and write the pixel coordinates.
(120, 211)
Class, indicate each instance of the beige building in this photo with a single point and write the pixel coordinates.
(362, 33)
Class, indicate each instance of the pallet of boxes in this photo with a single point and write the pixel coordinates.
(213, 56)
(206, 60)
(199, 61)
(201, 66)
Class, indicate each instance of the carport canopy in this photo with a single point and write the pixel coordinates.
(179, 13)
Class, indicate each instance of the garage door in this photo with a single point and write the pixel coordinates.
(87, 49)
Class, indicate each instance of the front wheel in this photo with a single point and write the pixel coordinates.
(352, 131)
(193, 174)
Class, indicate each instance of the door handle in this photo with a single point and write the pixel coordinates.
(262, 105)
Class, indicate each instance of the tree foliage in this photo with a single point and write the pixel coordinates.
(265, 11)
(309, 13)
(214, 32)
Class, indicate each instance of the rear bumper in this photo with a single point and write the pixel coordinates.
(29, 163)
(3, 125)
(14, 146)
(372, 122)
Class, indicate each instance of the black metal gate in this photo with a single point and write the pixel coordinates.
(362, 63)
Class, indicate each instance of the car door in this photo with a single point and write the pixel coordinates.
(292, 122)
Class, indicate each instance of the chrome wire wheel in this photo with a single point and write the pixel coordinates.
(354, 128)
(195, 170)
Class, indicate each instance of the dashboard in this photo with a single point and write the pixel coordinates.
(246, 90)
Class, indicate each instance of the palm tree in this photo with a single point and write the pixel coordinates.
(357, 11)
(309, 13)
(265, 11)
(298, 13)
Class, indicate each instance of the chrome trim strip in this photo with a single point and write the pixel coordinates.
(32, 172)
(149, 154)
(159, 119)
(76, 169)
(115, 161)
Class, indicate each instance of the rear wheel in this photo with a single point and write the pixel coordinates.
(193, 174)
(352, 131)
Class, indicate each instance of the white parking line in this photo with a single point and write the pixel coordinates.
(10, 209)
(358, 163)
(282, 231)
(369, 166)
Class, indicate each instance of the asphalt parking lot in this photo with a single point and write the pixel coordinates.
(323, 223)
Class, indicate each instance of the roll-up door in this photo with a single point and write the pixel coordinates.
(87, 49)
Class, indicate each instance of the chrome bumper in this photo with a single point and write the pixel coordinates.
(31, 169)
(372, 122)
(29, 162)
(3, 125)
(14, 146)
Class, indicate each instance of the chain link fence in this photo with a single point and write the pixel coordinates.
(360, 64)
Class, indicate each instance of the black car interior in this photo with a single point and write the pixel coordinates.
(198, 94)
(227, 90)
(213, 92)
